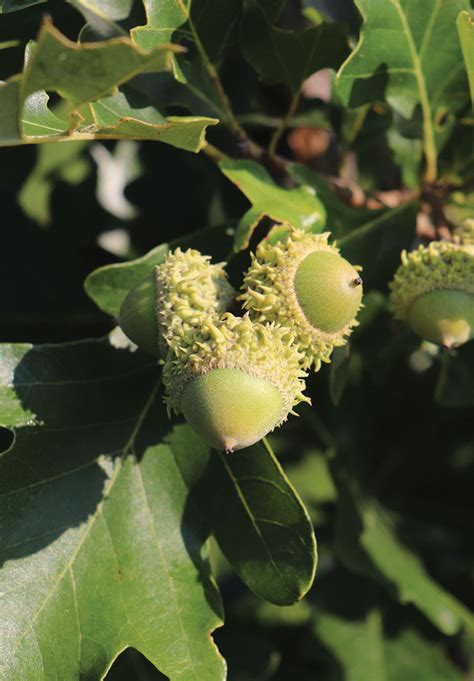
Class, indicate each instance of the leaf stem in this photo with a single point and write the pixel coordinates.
(214, 153)
(295, 100)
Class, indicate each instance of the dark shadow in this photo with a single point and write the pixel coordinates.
(133, 665)
(6, 439)
(369, 89)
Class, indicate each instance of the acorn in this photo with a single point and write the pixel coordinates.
(303, 283)
(171, 302)
(234, 381)
(433, 291)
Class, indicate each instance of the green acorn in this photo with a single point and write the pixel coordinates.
(181, 291)
(433, 290)
(235, 381)
(304, 284)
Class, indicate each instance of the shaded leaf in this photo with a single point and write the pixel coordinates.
(407, 154)
(465, 26)
(289, 57)
(209, 25)
(262, 527)
(54, 162)
(339, 372)
(205, 28)
(300, 207)
(363, 644)
(455, 387)
(341, 218)
(312, 478)
(97, 498)
(14, 5)
(377, 245)
(367, 543)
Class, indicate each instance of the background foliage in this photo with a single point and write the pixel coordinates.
(124, 539)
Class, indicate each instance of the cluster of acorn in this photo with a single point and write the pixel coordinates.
(236, 378)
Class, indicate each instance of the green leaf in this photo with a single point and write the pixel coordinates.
(455, 387)
(102, 17)
(367, 543)
(411, 52)
(360, 644)
(289, 57)
(113, 118)
(377, 245)
(465, 26)
(103, 542)
(262, 527)
(246, 227)
(53, 64)
(109, 285)
(300, 207)
(9, 130)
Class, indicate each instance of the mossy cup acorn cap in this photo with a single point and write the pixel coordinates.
(180, 292)
(303, 283)
(433, 290)
(235, 380)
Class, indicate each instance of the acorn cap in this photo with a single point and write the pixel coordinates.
(464, 235)
(433, 290)
(184, 289)
(302, 283)
(235, 380)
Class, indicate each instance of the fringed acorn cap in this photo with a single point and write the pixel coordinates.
(303, 284)
(433, 291)
(189, 291)
(235, 380)
(263, 351)
(439, 266)
(464, 235)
